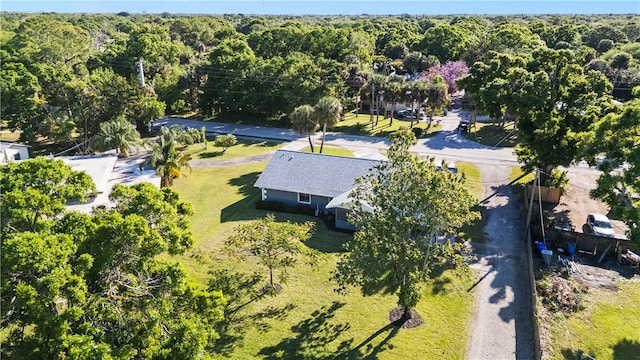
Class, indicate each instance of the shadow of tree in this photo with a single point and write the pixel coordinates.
(332, 242)
(492, 134)
(311, 337)
(210, 154)
(271, 312)
(238, 210)
(626, 349)
(370, 351)
(245, 182)
(622, 350)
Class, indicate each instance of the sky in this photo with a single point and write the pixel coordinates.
(328, 7)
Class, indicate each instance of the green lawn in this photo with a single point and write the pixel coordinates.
(608, 329)
(330, 150)
(360, 124)
(474, 231)
(518, 177)
(308, 319)
(492, 135)
(241, 149)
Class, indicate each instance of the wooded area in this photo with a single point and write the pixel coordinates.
(83, 284)
(65, 74)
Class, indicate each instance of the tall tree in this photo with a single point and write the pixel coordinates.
(488, 87)
(92, 286)
(436, 97)
(38, 189)
(617, 136)
(557, 103)
(394, 92)
(445, 41)
(395, 248)
(327, 112)
(21, 105)
(276, 245)
(303, 122)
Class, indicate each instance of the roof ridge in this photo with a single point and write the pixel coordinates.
(328, 155)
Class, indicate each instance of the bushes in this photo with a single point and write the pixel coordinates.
(280, 207)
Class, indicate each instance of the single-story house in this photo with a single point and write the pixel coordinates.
(10, 152)
(314, 180)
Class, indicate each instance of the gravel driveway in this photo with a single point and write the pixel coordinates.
(502, 322)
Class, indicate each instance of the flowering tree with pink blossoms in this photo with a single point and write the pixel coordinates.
(450, 71)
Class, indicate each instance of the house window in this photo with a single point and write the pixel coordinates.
(304, 198)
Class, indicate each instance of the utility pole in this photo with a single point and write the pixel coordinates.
(373, 90)
(141, 71)
(531, 197)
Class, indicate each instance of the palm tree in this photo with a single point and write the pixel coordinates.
(419, 90)
(394, 92)
(304, 122)
(327, 113)
(378, 82)
(167, 159)
(436, 97)
(119, 133)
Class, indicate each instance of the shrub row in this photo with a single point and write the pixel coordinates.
(288, 208)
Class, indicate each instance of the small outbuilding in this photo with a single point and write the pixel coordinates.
(10, 152)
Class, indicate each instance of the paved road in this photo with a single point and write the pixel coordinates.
(502, 326)
(447, 144)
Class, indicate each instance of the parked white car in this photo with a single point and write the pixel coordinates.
(600, 225)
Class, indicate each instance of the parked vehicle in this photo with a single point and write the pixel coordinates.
(408, 115)
(600, 225)
(465, 125)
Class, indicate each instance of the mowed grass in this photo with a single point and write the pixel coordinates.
(608, 329)
(329, 150)
(473, 181)
(492, 135)
(360, 124)
(308, 319)
(519, 177)
(241, 149)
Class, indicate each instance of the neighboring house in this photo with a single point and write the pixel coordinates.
(10, 152)
(314, 180)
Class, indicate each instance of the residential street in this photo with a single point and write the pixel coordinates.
(502, 326)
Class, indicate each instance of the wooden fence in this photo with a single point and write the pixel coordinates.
(595, 245)
(547, 194)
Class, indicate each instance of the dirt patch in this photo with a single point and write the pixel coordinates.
(397, 318)
(576, 203)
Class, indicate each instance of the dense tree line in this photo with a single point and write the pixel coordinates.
(64, 75)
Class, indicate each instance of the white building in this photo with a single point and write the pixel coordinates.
(10, 152)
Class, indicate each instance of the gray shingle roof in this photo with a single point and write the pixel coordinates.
(312, 173)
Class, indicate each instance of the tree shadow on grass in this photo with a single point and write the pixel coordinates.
(366, 349)
(245, 182)
(626, 349)
(232, 335)
(239, 209)
(311, 337)
(210, 154)
(623, 350)
(328, 242)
